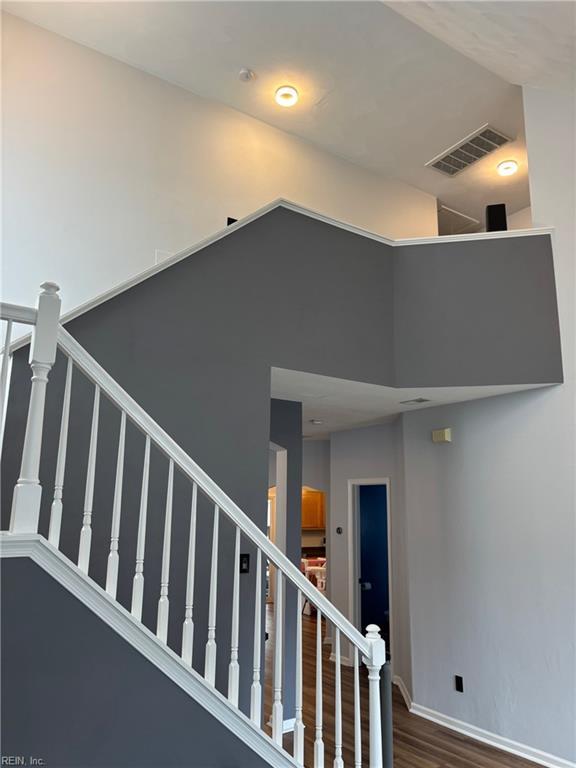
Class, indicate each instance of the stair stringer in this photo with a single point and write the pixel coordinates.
(75, 581)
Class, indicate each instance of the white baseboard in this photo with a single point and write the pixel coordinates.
(492, 739)
(403, 690)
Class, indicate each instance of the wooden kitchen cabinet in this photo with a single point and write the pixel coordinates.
(313, 512)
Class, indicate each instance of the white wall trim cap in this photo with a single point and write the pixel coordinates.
(51, 560)
(290, 206)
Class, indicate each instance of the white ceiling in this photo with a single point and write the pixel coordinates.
(341, 404)
(525, 42)
(375, 88)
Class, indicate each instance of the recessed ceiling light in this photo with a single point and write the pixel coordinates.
(316, 421)
(507, 168)
(286, 96)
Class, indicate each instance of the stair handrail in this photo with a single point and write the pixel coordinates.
(143, 421)
(49, 335)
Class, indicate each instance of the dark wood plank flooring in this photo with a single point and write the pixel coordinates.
(418, 743)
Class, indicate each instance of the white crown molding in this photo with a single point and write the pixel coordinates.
(52, 561)
(290, 206)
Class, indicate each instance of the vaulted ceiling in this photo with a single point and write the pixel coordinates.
(523, 41)
(375, 87)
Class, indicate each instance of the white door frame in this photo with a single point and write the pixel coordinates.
(354, 553)
(280, 508)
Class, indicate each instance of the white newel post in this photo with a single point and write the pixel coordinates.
(374, 665)
(28, 491)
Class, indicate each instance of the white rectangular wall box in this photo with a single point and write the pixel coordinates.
(442, 435)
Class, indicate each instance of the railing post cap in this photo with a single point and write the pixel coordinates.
(50, 288)
(377, 647)
(373, 632)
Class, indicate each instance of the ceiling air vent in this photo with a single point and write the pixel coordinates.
(472, 148)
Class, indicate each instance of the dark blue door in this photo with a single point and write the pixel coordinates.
(373, 571)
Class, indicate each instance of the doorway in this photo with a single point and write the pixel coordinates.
(371, 592)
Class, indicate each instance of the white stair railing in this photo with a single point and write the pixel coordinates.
(25, 512)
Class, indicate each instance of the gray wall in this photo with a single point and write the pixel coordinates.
(316, 465)
(490, 520)
(491, 517)
(194, 345)
(463, 313)
(84, 698)
(286, 431)
(368, 453)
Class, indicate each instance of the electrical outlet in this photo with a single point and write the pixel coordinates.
(459, 683)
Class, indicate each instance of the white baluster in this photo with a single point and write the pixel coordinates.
(299, 724)
(113, 556)
(318, 741)
(234, 668)
(86, 532)
(4, 371)
(256, 689)
(210, 658)
(163, 604)
(374, 664)
(338, 763)
(357, 714)
(188, 627)
(277, 709)
(56, 509)
(138, 580)
(28, 491)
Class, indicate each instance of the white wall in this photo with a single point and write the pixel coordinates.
(491, 517)
(522, 219)
(104, 164)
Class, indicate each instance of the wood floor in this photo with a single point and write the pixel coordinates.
(418, 743)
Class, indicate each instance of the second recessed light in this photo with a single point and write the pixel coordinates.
(507, 168)
(286, 96)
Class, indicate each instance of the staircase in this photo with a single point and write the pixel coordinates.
(23, 541)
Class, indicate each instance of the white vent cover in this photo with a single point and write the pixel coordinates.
(472, 148)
